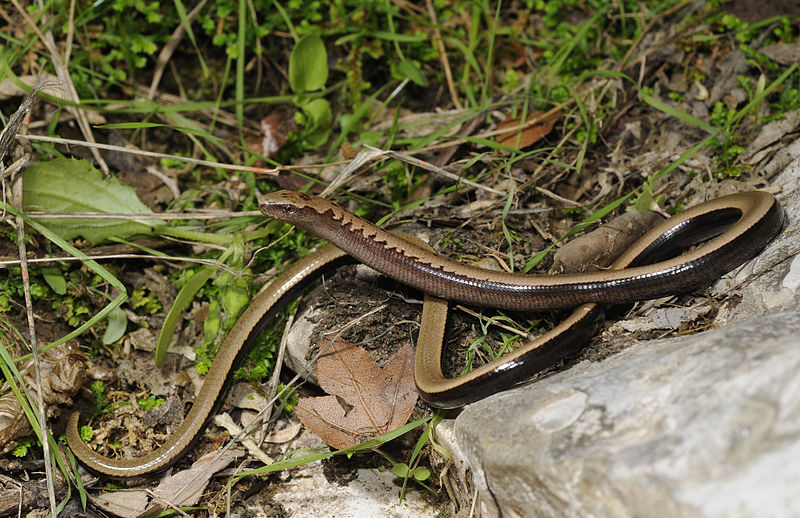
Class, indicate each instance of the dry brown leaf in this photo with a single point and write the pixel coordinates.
(783, 53)
(125, 504)
(530, 135)
(375, 400)
(186, 487)
(275, 129)
(62, 374)
(179, 489)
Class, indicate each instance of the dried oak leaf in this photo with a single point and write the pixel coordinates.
(365, 402)
(530, 135)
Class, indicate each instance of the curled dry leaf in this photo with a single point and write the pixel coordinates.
(530, 135)
(375, 400)
(62, 375)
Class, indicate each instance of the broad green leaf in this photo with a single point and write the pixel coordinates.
(308, 65)
(645, 202)
(316, 139)
(117, 323)
(318, 112)
(421, 473)
(212, 322)
(400, 469)
(317, 130)
(69, 185)
(234, 298)
(54, 279)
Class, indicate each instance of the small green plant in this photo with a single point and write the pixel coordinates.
(728, 149)
(308, 73)
(675, 96)
(86, 433)
(24, 446)
(99, 397)
(288, 400)
(72, 310)
(646, 202)
(150, 402)
(145, 300)
(482, 342)
(419, 474)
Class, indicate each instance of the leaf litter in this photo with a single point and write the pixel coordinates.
(355, 411)
(365, 400)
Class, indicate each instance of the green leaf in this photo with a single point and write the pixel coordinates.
(421, 473)
(319, 117)
(99, 396)
(308, 65)
(234, 297)
(150, 402)
(400, 469)
(182, 301)
(133, 125)
(408, 69)
(316, 139)
(69, 185)
(318, 112)
(24, 447)
(645, 202)
(117, 323)
(20, 451)
(686, 117)
(469, 56)
(212, 323)
(54, 279)
(399, 38)
(299, 460)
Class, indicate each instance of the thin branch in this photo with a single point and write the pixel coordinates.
(195, 161)
(38, 390)
(63, 75)
(69, 258)
(437, 38)
(211, 214)
(406, 157)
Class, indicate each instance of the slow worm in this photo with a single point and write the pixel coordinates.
(732, 229)
(271, 299)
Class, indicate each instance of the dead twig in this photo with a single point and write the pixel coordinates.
(26, 288)
(63, 75)
(437, 38)
(195, 161)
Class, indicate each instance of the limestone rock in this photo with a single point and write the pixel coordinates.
(706, 425)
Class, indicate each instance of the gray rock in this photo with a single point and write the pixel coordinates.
(703, 425)
(700, 426)
(769, 283)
